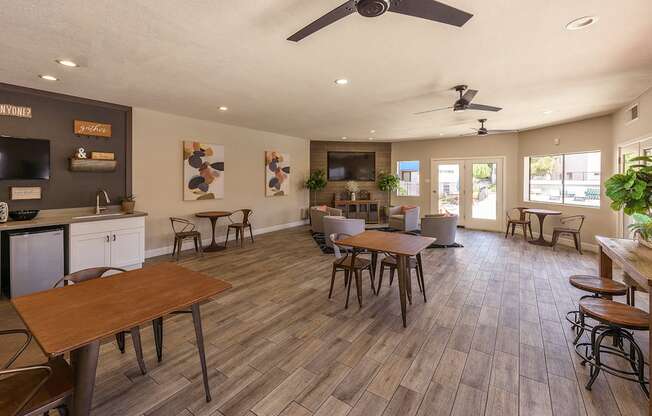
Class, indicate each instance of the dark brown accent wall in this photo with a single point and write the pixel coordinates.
(52, 119)
(318, 160)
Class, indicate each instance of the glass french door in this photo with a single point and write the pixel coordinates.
(471, 189)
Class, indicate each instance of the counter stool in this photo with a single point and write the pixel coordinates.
(599, 288)
(616, 320)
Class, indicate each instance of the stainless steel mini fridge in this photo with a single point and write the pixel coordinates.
(35, 260)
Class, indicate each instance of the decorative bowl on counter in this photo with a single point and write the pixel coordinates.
(23, 214)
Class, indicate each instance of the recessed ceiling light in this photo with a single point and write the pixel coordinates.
(342, 81)
(582, 22)
(344, 137)
(223, 108)
(371, 138)
(441, 134)
(49, 77)
(66, 62)
(546, 112)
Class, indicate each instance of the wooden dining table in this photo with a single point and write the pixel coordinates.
(636, 262)
(541, 215)
(403, 246)
(75, 318)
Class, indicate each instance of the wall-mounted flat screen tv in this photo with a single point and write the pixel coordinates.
(24, 158)
(351, 166)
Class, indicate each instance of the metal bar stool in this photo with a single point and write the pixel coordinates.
(599, 288)
(616, 320)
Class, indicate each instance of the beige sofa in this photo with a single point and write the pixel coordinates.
(317, 217)
(408, 221)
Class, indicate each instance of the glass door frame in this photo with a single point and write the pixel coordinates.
(466, 195)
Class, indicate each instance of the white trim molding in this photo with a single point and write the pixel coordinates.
(188, 244)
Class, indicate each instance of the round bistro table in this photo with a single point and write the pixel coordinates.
(213, 216)
(541, 215)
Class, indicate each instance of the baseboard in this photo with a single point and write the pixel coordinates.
(188, 244)
(567, 242)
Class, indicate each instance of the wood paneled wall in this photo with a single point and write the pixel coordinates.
(318, 160)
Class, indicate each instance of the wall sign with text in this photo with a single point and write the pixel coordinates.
(11, 110)
(91, 128)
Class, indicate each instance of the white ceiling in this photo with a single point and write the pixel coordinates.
(191, 57)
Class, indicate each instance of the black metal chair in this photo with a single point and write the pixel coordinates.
(96, 273)
(518, 216)
(37, 389)
(184, 229)
(571, 225)
(352, 265)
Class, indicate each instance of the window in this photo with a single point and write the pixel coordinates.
(571, 179)
(408, 173)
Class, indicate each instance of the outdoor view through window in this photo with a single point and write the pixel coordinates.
(572, 179)
(408, 173)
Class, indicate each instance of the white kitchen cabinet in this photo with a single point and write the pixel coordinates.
(115, 243)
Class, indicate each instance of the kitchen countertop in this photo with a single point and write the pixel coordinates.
(64, 219)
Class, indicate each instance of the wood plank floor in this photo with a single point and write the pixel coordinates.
(491, 340)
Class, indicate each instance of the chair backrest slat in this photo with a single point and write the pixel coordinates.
(337, 249)
(87, 274)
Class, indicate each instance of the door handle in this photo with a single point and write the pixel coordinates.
(107, 239)
(113, 237)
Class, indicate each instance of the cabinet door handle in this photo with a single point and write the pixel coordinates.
(107, 239)
(113, 237)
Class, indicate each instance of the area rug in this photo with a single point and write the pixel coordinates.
(320, 239)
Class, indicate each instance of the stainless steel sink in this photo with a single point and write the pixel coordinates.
(113, 214)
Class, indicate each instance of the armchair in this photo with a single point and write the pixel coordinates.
(317, 215)
(341, 225)
(442, 227)
(404, 218)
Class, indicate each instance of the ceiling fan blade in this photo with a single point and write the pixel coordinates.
(330, 17)
(469, 95)
(482, 107)
(501, 131)
(431, 10)
(431, 111)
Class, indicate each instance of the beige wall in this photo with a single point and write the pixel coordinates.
(640, 129)
(158, 174)
(460, 147)
(579, 136)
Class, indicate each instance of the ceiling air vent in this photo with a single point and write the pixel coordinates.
(632, 113)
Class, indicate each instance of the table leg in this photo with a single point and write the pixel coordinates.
(199, 335)
(84, 366)
(374, 261)
(605, 267)
(138, 348)
(402, 277)
(214, 246)
(423, 280)
(540, 241)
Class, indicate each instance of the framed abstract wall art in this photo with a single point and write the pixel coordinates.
(277, 173)
(203, 171)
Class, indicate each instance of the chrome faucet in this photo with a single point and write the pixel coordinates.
(98, 208)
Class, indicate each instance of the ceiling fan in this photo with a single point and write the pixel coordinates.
(483, 131)
(464, 102)
(426, 9)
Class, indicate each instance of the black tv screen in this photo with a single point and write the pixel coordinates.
(351, 166)
(24, 158)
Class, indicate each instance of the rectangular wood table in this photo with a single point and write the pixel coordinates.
(403, 246)
(636, 262)
(75, 318)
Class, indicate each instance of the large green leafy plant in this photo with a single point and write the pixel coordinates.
(316, 182)
(632, 191)
(388, 182)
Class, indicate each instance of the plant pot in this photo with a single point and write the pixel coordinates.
(128, 206)
(644, 243)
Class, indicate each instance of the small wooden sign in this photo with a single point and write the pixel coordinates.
(102, 155)
(25, 192)
(15, 111)
(91, 128)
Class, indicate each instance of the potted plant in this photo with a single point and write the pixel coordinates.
(316, 182)
(353, 188)
(632, 192)
(387, 182)
(128, 204)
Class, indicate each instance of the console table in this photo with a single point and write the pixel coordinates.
(360, 202)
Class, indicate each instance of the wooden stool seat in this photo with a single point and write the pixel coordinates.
(615, 313)
(188, 234)
(360, 263)
(15, 388)
(598, 285)
(391, 262)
